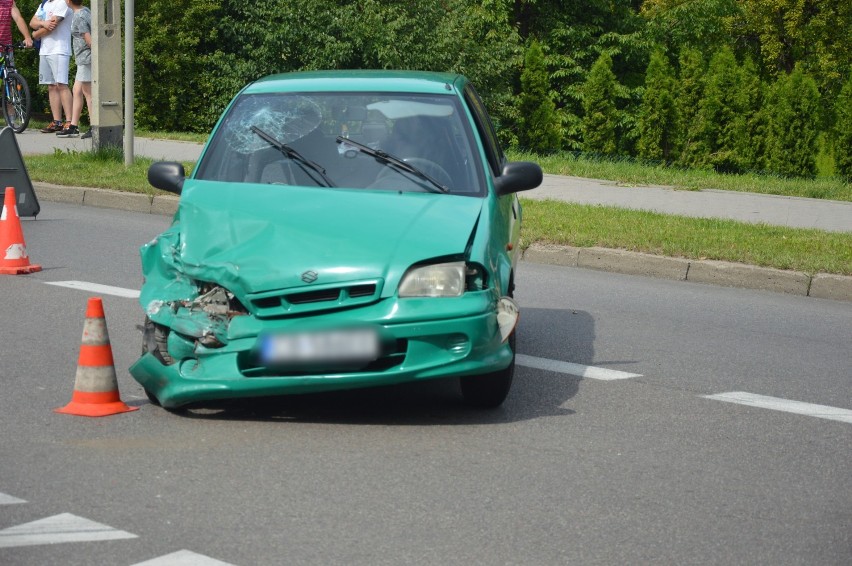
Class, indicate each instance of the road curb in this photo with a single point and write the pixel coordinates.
(727, 274)
(106, 198)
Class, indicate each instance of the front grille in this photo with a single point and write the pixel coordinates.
(302, 300)
(314, 296)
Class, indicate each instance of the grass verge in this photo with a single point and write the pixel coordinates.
(811, 251)
(103, 169)
(175, 136)
(631, 172)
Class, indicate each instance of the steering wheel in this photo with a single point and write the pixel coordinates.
(426, 165)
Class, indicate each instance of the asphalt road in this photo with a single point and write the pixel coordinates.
(571, 470)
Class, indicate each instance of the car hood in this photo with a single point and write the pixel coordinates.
(256, 238)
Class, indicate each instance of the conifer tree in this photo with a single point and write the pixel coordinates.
(719, 117)
(794, 126)
(658, 120)
(600, 113)
(843, 131)
(690, 90)
(538, 122)
(754, 119)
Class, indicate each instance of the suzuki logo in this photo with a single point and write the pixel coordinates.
(309, 276)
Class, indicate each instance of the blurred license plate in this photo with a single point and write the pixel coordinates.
(350, 345)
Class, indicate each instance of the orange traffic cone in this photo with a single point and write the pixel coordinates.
(95, 387)
(13, 250)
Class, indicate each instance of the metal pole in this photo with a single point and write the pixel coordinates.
(129, 86)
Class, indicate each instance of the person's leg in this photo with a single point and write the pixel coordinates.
(84, 79)
(86, 87)
(55, 102)
(82, 90)
(71, 130)
(66, 100)
(87, 93)
(61, 75)
(45, 77)
(77, 104)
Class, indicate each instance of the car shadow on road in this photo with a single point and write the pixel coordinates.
(566, 335)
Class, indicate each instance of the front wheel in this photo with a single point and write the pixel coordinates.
(489, 390)
(16, 102)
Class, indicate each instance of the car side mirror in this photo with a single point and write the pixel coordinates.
(518, 176)
(167, 176)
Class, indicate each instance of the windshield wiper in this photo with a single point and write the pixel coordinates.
(293, 154)
(394, 161)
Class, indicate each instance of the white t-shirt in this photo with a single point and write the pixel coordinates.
(57, 42)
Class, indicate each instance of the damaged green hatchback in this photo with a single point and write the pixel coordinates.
(342, 229)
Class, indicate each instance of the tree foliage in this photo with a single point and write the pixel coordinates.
(658, 119)
(843, 131)
(600, 115)
(794, 126)
(719, 117)
(538, 126)
(193, 56)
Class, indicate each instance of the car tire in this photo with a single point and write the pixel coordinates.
(489, 390)
(152, 398)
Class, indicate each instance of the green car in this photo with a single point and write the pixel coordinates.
(341, 230)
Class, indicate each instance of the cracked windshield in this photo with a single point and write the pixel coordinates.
(410, 143)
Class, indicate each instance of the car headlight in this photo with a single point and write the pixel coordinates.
(439, 280)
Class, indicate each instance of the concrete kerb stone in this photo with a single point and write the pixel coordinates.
(105, 198)
(821, 285)
(749, 277)
(165, 204)
(829, 286)
(56, 193)
(566, 256)
(633, 263)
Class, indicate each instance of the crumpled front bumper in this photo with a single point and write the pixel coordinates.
(441, 338)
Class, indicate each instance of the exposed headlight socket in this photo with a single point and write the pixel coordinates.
(508, 315)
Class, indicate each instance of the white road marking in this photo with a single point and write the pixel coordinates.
(59, 529)
(97, 288)
(9, 500)
(777, 404)
(183, 558)
(579, 370)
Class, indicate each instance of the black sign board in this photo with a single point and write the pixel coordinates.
(13, 173)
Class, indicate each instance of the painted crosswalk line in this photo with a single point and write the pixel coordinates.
(9, 500)
(59, 529)
(578, 370)
(786, 405)
(97, 288)
(183, 558)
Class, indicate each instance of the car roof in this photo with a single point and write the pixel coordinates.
(359, 81)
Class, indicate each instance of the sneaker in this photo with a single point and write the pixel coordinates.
(87, 135)
(69, 131)
(52, 127)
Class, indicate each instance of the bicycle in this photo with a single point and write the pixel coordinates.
(16, 92)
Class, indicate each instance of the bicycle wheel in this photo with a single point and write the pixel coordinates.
(16, 102)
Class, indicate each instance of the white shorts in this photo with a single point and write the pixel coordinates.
(84, 73)
(53, 69)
